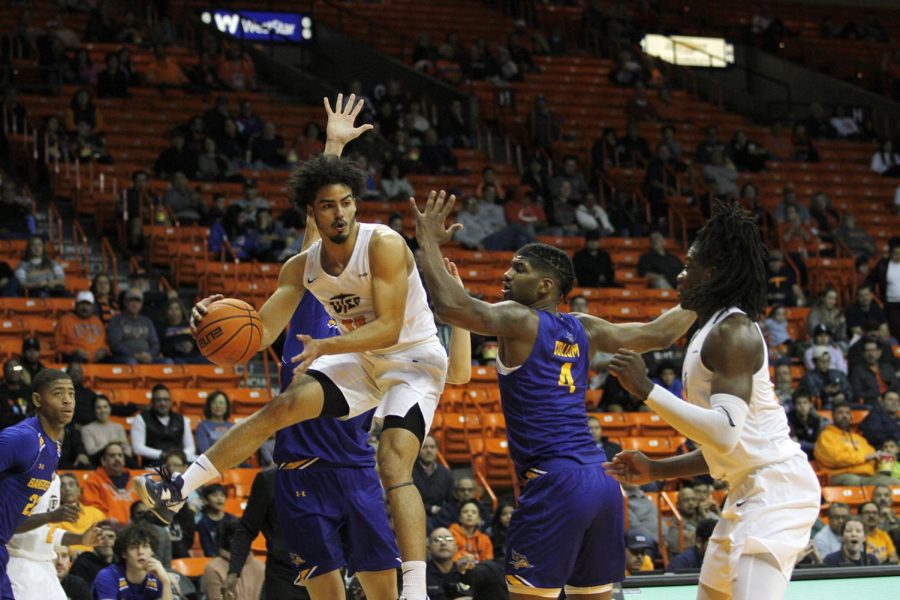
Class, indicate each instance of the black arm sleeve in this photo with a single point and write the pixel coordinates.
(251, 523)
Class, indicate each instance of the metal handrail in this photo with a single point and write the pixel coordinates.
(78, 234)
(107, 249)
(55, 222)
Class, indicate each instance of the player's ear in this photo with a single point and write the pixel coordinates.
(546, 285)
(36, 399)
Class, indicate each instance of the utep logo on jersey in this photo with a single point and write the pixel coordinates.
(344, 303)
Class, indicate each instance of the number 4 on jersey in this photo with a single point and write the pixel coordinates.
(565, 377)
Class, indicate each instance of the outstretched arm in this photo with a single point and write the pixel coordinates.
(451, 302)
(733, 353)
(633, 467)
(640, 337)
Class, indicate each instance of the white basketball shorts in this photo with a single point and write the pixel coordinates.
(393, 382)
(770, 511)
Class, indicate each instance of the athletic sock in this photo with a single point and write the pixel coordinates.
(413, 580)
(197, 474)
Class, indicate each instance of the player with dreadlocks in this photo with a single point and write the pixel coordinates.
(733, 415)
(568, 529)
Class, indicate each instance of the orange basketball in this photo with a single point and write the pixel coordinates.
(230, 333)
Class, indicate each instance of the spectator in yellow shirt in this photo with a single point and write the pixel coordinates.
(847, 455)
(878, 541)
(88, 516)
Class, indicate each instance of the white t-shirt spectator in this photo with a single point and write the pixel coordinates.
(844, 126)
(591, 219)
(139, 438)
(881, 162)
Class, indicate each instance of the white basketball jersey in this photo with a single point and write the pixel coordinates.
(348, 297)
(765, 438)
(37, 544)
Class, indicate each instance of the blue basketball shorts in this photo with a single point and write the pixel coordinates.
(568, 530)
(332, 518)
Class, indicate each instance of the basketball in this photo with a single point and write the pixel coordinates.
(230, 333)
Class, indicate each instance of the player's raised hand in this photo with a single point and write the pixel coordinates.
(631, 466)
(311, 351)
(430, 222)
(630, 370)
(340, 128)
(199, 310)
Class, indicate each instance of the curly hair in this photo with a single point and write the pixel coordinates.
(731, 245)
(136, 533)
(312, 175)
(553, 262)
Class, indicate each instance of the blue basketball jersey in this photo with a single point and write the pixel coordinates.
(28, 459)
(543, 399)
(332, 441)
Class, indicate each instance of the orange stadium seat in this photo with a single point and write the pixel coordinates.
(235, 506)
(168, 375)
(614, 424)
(494, 424)
(214, 377)
(650, 424)
(239, 481)
(110, 376)
(457, 430)
(134, 396)
(651, 446)
(490, 457)
(190, 567)
(853, 495)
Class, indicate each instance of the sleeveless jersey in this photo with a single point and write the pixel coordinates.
(29, 462)
(765, 438)
(543, 398)
(37, 544)
(331, 441)
(348, 297)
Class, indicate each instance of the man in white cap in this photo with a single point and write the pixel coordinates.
(82, 334)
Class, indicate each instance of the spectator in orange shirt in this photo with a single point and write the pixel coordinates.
(470, 542)
(237, 71)
(81, 333)
(111, 488)
(164, 71)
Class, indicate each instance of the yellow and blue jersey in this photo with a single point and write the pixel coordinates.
(28, 459)
(543, 399)
(111, 584)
